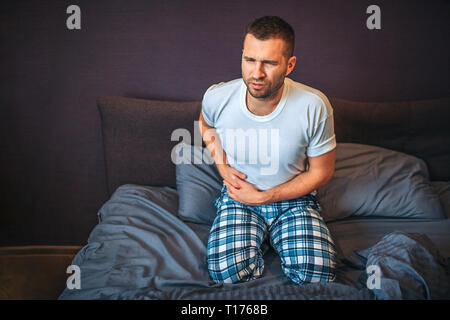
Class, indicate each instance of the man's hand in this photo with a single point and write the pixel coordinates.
(231, 175)
(247, 193)
(321, 169)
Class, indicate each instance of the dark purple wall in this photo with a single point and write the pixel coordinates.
(52, 168)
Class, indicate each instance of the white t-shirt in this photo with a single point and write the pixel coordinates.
(273, 148)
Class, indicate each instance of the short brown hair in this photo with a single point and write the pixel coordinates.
(270, 27)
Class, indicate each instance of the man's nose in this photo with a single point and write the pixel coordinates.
(258, 73)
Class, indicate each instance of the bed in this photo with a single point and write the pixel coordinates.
(387, 207)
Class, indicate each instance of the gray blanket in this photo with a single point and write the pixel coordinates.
(142, 250)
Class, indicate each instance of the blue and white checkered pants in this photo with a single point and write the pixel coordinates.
(297, 232)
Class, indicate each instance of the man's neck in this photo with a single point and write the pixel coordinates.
(262, 107)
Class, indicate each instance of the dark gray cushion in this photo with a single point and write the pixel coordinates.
(374, 181)
(137, 139)
(198, 183)
(416, 127)
(442, 188)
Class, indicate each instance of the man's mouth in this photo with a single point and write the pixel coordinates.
(257, 85)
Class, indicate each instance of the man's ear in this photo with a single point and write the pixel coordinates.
(291, 64)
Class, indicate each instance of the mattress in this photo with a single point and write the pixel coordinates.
(141, 249)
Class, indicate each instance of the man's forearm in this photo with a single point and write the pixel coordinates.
(219, 156)
(213, 144)
(215, 147)
(299, 186)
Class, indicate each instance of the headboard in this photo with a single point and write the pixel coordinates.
(137, 134)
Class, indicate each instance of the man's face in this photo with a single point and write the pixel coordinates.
(264, 66)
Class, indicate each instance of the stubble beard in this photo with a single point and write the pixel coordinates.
(268, 92)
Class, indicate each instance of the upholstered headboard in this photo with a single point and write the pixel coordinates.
(137, 134)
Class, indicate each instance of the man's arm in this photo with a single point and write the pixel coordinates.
(320, 172)
(212, 142)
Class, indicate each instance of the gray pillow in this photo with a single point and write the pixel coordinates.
(198, 183)
(442, 189)
(373, 181)
(369, 181)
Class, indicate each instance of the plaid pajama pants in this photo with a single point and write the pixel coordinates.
(296, 231)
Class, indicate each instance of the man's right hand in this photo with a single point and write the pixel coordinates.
(231, 175)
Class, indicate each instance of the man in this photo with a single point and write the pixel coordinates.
(276, 202)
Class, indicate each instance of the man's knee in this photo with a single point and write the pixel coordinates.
(236, 266)
(304, 273)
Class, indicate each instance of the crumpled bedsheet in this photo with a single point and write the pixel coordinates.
(141, 249)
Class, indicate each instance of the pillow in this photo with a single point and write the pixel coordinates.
(198, 183)
(442, 188)
(374, 181)
(369, 181)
